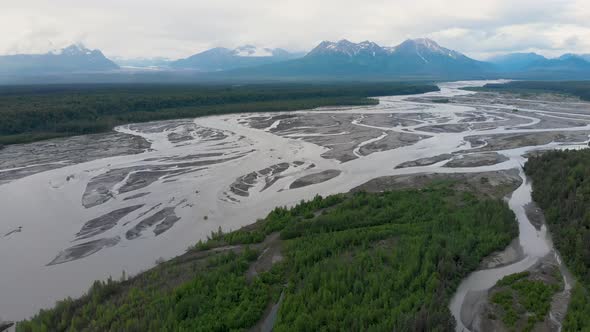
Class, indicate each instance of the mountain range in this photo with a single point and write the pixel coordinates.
(220, 58)
(72, 59)
(523, 63)
(412, 59)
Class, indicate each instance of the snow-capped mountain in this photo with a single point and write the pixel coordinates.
(419, 47)
(426, 49)
(348, 49)
(72, 59)
(342, 60)
(414, 57)
(254, 51)
(220, 58)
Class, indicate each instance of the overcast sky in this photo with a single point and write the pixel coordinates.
(178, 28)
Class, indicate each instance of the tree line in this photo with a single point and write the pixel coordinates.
(579, 89)
(29, 113)
(561, 187)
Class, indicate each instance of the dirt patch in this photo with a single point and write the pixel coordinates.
(393, 140)
(138, 195)
(512, 254)
(315, 178)
(513, 141)
(102, 188)
(271, 254)
(165, 219)
(474, 302)
(535, 215)
(342, 133)
(84, 249)
(425, 161)
(476, 159)
(105, 222)
(496, 184)
(263, 178)
(268, 176)
(446, 128)
(21, 160)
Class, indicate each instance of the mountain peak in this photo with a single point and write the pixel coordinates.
(75, 49)
(347, 48)
(75, 58)
(425, 46)
(344, 42)
(251, 50)
(220, 58)
(434, 46)
(424, 42)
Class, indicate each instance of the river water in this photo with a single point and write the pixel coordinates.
(84, 208)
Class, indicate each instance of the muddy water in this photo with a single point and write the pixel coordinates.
(97, 217)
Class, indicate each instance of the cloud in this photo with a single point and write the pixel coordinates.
(177, 28)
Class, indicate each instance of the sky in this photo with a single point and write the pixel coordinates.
(179, 28)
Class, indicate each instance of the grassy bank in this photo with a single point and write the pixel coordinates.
(561, 187)
(31, 113)
(357, 262)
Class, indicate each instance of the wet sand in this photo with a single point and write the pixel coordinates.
(22, 160)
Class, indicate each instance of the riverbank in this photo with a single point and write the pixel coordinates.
(310, 254)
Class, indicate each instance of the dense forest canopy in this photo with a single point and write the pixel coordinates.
(29, 113)
(361, 262)
(561, 186)
(580, 89)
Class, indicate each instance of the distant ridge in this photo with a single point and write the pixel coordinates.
(72, 59)
(532, 65)
(413, 59)
(220, 58)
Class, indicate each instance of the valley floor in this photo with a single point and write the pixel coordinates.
(113, 209)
